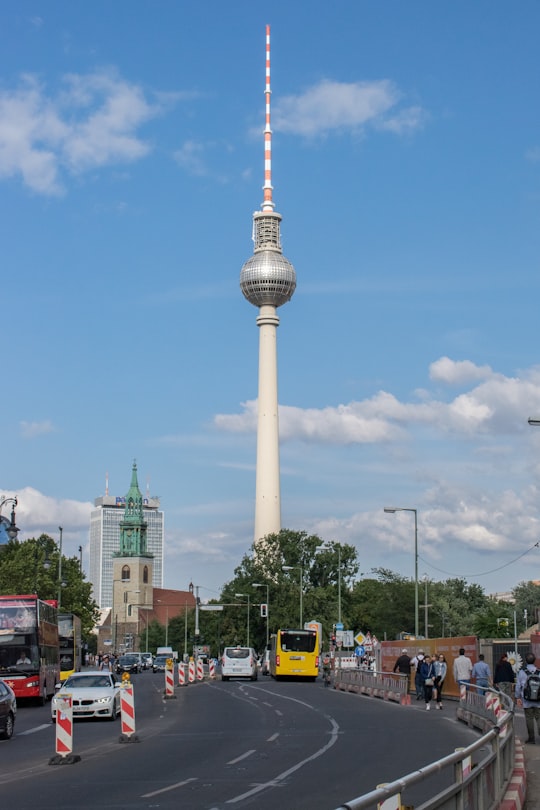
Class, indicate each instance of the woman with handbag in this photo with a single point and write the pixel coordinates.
(427, 672)
(440, 674)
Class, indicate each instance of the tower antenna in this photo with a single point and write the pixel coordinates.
(106, 483)
(268, 203)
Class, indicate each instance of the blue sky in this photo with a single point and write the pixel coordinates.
(406, 165)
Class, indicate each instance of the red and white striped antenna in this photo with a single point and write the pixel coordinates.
(268, 203)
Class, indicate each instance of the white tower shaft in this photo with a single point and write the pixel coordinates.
(267, 486)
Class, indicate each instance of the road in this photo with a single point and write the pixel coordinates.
(238, 744)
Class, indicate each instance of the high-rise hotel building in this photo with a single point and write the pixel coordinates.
(105, 522)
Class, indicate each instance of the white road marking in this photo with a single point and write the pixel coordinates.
(241, 757)
(166, 789)
(273, 737)
(33, 730)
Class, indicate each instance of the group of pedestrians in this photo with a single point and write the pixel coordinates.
(429, 675)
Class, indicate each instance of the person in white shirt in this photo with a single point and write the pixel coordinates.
(462, 668)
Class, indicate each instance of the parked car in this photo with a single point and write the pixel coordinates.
(239, 662)
(93, 694)
(130, 662)
(8, 711)
(160, 663)
(265, 662)
(147, 659)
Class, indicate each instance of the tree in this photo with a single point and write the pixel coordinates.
(527, 599)
(32, 567)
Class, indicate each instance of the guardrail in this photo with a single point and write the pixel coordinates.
(385, 685)
(479, 779)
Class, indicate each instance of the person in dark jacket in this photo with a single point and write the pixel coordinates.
(427, 673)
(504, 676)
(403, 664)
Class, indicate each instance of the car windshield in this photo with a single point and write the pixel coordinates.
(88, 682)
(127, 659)
(237, 652)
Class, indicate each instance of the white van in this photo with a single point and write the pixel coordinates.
(239, 662)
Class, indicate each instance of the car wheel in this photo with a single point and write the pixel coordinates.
(7, 733)
(224, 677)
(114, 713)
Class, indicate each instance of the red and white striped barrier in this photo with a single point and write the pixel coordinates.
(127, 712)
(64, 732)
(169, 682)
(200, 669)
(181, 675)
(64, 727)
(212, 668)
(191, 675)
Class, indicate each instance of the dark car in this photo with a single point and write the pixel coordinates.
(160, 663)
(8, 711)
(128, 663)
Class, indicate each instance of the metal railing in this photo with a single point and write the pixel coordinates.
(477, 779)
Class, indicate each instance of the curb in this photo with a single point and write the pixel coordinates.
(514, 798)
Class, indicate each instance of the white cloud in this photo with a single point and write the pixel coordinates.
(457, 372)
(29, 430)
(498, 405)
(335, 106)
(91, 123)
(190, 157)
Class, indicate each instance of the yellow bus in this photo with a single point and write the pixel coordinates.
(69, 635)
(294, 654)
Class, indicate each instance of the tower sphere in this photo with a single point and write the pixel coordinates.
(268, 278)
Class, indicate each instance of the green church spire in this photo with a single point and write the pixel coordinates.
(133, 527)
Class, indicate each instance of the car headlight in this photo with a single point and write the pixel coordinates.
(103, 700)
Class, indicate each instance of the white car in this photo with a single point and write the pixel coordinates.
(93, 694)
(239, 662)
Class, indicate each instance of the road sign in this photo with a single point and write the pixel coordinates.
(359, 651)
(210, 607)
(339, 625)
(359, 638)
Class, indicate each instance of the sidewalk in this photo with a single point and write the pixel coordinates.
(532, 763)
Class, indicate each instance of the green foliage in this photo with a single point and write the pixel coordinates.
(33, 567)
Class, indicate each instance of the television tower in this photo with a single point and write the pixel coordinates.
(267, 280)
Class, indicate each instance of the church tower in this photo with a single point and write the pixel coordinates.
(132, 572)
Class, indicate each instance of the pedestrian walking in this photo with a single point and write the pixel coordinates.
(418, 682)
(525, 694)
(504, 676)
(482, 674)
(462, 668)
(427, 672)
(440, 668)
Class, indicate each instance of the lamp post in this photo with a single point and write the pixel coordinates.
(264, 585)
(331, 548)
(297, 568)
(60, 529)
(12, 530)
(245, 596)
(391, 510)
(426, 606)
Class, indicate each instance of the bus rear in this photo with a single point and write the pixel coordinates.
(294, 654)
(29, 652)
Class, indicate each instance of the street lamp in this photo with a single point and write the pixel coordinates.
(426, 606)
(47, 564)
(245, 596)
(264, 585)
(11, 530)
(297, 568)
(331, 548)
(391, 510)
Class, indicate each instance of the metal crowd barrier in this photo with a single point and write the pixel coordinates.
(481, 771)
(385, 685)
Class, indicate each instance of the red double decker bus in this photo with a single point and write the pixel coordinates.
(29, 648)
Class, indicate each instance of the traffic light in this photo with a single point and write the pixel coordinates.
(264, 611)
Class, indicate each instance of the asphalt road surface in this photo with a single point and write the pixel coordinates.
(237, 744)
